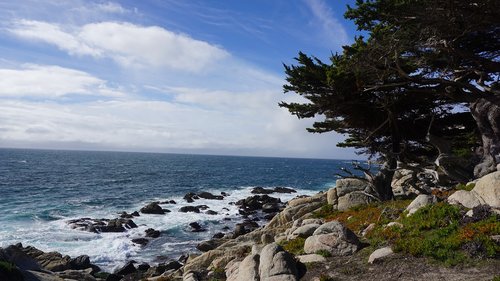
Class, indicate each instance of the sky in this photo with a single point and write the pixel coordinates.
(172, 76)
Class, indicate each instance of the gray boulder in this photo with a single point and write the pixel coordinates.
(334, 238)
(419, 202)
(277, 264)
(353, 199)
(488, 189)
(380, 254)
(248, 269)
(304, 231)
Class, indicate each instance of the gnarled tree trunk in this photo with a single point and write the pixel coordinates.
(382, 180)
(487, 116)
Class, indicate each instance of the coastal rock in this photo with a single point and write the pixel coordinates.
(187, 209)
(272, 207)
(348, 185)
(331, 196)
(248, 269)
(303, 231)
(380, 254)
(464, 198)
(150, 232)
(488, 189)
(297, 208)
(169, 202)
(277, 264)
(353, 199)
(140, 241)
(80, 262)
(54, 261)
(208, 195)
(152, 208)
(266, 238)
(208, 245)
(15, 254)
(102, 225)
(311, 258)
(256, 202)
(419, 202)
(196, 227)
(80, 275)
(210, 212)
(218, 235)
(281, 189)
(189, 197)
(333, 237)
(143, 266)
(126, 269)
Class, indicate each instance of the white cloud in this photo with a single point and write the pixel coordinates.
(111, 7)
(51, 82)
(330, 25)
(128, 44)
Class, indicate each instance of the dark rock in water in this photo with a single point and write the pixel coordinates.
(225, 209)
(169, 202)
(281, 189)
(186, 209)
(272, 207)
(80, 262)
(224, 193)
(244, 228)
(218, 235)
(256, 202)
(183, 258)
(208, 195)
(227, 219)
(202, 207)
(127, 269)
(143, 267)
(210, 212)
(152, 233)
(226, 228)
(189, 197)
(208, 245)
(15, 254)
(196, 227)
(102, 225)
(113, 277)
(125, 215)
(140, 241)
(172, 264)
(135, 214)
(261, 190)
(152, 208)
(269, 216)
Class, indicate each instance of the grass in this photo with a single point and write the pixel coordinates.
(437, 231)
(10, 271)
(324, 253)
(463, 186)
(294, 246)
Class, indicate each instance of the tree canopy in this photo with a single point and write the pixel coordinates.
(423, 84)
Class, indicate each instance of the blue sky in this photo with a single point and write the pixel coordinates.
(162, 75)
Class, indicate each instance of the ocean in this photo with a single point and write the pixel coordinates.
(41, 190)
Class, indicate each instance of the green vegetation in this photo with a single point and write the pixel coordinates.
(462, 186)
(324, 253)
(323, 277)
(294, 246)
(438, 231)
(6, 266)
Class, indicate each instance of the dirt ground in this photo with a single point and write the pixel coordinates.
(399, 267)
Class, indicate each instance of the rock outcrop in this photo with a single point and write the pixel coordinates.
(334, 238)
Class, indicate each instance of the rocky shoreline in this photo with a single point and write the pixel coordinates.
(254, 252)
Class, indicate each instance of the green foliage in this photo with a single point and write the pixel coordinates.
(7, 266)
(437, 231)
(462, 186)
(294, 246)
(324, 253)
(496, 278)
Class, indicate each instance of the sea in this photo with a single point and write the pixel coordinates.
(41, 190)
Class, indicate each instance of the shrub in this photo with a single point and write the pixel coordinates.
(324, 253)
(294, 246)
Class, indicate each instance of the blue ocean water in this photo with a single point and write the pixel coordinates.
(40, 190)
